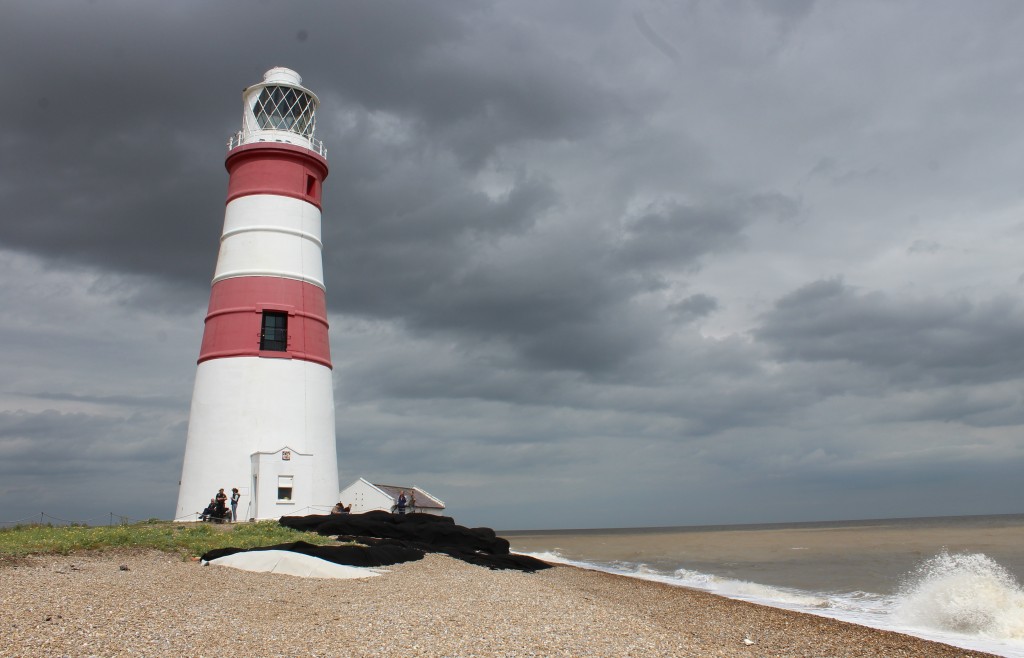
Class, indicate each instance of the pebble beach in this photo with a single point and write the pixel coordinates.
(149, 603)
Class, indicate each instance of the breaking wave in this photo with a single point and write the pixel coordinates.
(962, 593)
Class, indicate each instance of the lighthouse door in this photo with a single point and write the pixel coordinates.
(255, 502)
(254, 471)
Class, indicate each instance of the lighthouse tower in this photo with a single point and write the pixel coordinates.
(262, 417)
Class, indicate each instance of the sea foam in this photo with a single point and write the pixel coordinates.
(743, 589)
(966, 600)
(962, 593)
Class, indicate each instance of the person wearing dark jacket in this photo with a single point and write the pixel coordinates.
(210, 510)
(222, 499)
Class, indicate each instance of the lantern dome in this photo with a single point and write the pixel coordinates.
(279, 109)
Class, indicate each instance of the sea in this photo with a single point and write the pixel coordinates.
(951, 579)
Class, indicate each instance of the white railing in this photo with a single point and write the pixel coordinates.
(311, 143)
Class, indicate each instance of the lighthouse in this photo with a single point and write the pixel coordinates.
(262, 415)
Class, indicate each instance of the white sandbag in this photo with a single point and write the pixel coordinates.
(292, 564)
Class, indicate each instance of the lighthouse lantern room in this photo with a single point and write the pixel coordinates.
(262, 415)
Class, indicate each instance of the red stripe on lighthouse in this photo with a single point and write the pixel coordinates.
(234, 319)
(276, 168)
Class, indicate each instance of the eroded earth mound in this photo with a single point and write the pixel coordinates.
(385, 539)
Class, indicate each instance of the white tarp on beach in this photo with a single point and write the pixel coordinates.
(292, 564)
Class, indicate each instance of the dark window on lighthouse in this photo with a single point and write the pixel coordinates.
(274, 333)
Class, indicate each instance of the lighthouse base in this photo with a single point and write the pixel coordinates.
(266, 427)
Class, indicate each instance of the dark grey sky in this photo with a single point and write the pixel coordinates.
(589, 263)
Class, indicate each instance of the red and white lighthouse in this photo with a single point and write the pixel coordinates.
(262, 417)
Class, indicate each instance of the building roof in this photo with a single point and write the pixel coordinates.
(423, 499)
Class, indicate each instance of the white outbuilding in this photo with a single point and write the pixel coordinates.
(365, 496)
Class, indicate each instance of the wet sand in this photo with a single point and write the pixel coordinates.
(158, 605)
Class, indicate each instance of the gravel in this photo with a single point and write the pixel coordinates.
(154, 604)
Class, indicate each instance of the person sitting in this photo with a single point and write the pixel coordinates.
(341, 509)
(210, 510)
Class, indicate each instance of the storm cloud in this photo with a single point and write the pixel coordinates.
(757, 259)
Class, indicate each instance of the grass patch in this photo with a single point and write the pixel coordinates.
(187, 539)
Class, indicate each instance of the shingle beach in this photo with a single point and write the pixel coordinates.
(154, 604)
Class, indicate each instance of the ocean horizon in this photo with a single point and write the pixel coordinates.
(1011, 516)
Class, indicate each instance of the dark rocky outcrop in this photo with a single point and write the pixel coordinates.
(423, 533)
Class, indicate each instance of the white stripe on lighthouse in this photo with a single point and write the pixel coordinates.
(271, 235)
(246, 404)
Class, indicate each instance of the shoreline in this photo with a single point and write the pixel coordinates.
(817, 562)
(86, 604)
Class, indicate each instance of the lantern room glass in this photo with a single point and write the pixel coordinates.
(285, 108)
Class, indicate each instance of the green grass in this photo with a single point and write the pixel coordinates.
(187, 539)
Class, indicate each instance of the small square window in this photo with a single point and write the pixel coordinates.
(274, 332)
(284, 488)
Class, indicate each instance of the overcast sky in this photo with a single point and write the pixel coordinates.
(589, 263)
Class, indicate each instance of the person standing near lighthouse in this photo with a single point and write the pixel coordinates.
(263, 403)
